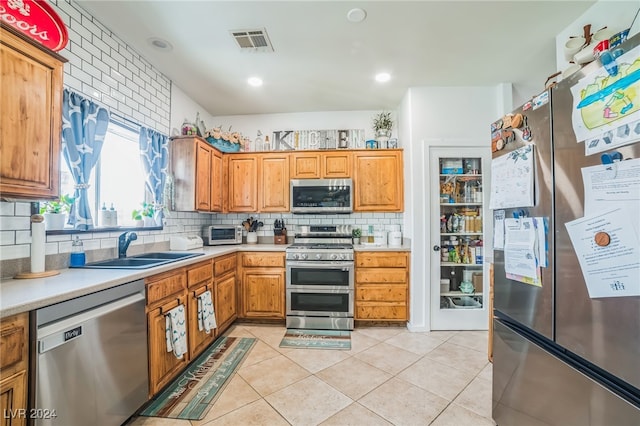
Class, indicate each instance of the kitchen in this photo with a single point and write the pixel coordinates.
(186, 223)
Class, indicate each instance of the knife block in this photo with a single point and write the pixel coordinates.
(280, 239)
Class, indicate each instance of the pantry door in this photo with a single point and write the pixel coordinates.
(459, 224)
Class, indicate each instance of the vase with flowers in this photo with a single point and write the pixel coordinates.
(382, 126)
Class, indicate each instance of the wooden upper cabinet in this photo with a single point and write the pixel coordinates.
(197, 171)
(321, 165)
(378, 181)
(336, 165)
(31, 118)
(203, 177)
(305, 165)
(273, 183)
(242, 179)
(216, 181)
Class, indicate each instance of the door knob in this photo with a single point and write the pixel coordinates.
(436, 248)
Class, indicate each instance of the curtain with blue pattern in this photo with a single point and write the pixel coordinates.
(154, 153)
(84, 126)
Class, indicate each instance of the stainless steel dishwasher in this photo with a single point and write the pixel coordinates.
(91, 358)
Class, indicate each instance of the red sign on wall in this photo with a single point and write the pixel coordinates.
(37, 20)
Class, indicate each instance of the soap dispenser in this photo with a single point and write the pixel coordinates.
(77, 253)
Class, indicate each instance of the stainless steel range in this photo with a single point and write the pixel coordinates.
(320, 278)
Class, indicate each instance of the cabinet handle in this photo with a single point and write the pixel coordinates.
(436, 248)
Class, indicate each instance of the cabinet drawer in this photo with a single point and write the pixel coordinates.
(382, 293)
(263, 259)
(199, 273)
(381, 312)
(224, 264)
(13, 341)
(382, 259)
(381, 275)
(165, 285)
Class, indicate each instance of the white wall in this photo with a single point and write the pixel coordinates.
(616, 15)
(438, 116)
(183, 107)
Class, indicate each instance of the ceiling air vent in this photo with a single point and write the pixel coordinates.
(255, 40)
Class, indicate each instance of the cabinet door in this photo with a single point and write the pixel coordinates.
(305, 165)
(30, 123)
(198, 339)
(263, 293)
(13, 392)
(163, 365)
(225, 302)
(457, 292)
(273, 181)
(203, 177)
(216, 181)
(378, 181)
(243, 181)
(336, 165)
(14, 342)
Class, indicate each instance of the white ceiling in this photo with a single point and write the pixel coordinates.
(323, 62)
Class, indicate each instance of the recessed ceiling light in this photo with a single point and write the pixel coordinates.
(255, 81)
(160, 44)
(356, 15)
(383, 77)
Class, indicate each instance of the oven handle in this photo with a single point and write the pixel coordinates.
(345, 266)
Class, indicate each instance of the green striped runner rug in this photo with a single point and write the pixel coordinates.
(316, 339)
(193, 392)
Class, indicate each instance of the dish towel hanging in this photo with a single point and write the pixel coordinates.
(176, 331)
(206, 316)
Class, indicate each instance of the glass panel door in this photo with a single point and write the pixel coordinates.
(458, 194)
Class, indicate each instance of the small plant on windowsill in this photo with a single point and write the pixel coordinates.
(55, 212)
(356, 233)
(144, 216)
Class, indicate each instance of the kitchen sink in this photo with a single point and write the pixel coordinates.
(141, 261)
(170, 255)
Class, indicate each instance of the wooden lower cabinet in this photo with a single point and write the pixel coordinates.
(163, 365)
(225, 298)
(382, 286)
(199, 280)
(262, 293)
(262, 281)
(14, 361)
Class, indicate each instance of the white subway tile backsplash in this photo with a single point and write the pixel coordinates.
(89, 47)
(49, 248)
(108, 243)
(106, 79)
(80, 75)
(7, 209)
(14, 223)
(15, 252)
(23, 237)
(106, 49)
(7, 238)
(23, 209)
(91, 245)
(108, 100)
(58, 238)
(87, 22)
(91, 70)
(65, 247)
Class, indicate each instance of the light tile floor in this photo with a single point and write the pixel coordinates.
(389, 377)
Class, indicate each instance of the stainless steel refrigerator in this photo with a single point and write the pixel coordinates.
(559, 356)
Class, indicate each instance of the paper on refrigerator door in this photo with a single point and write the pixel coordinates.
(520, 250)
(512, 179)
(498, 229)
(542, 230)
(607, 186)
(607, 247)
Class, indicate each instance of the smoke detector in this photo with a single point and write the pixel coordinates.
(255, 40)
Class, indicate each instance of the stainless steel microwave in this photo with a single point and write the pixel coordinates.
(321, 196)
(222, 234)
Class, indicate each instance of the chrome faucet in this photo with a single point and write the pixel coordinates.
(123, 243)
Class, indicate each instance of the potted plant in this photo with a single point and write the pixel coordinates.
(356, 233)
(382, 125)
(55, 212)
(144, 215)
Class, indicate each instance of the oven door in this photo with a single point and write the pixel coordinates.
(320, 303)
(320, 275)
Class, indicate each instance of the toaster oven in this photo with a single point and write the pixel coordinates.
(222, 234)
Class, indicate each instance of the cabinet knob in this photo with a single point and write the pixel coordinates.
(436, 248)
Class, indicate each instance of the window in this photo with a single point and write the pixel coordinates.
(118, 179)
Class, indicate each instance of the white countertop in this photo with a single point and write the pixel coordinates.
(23, 295)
